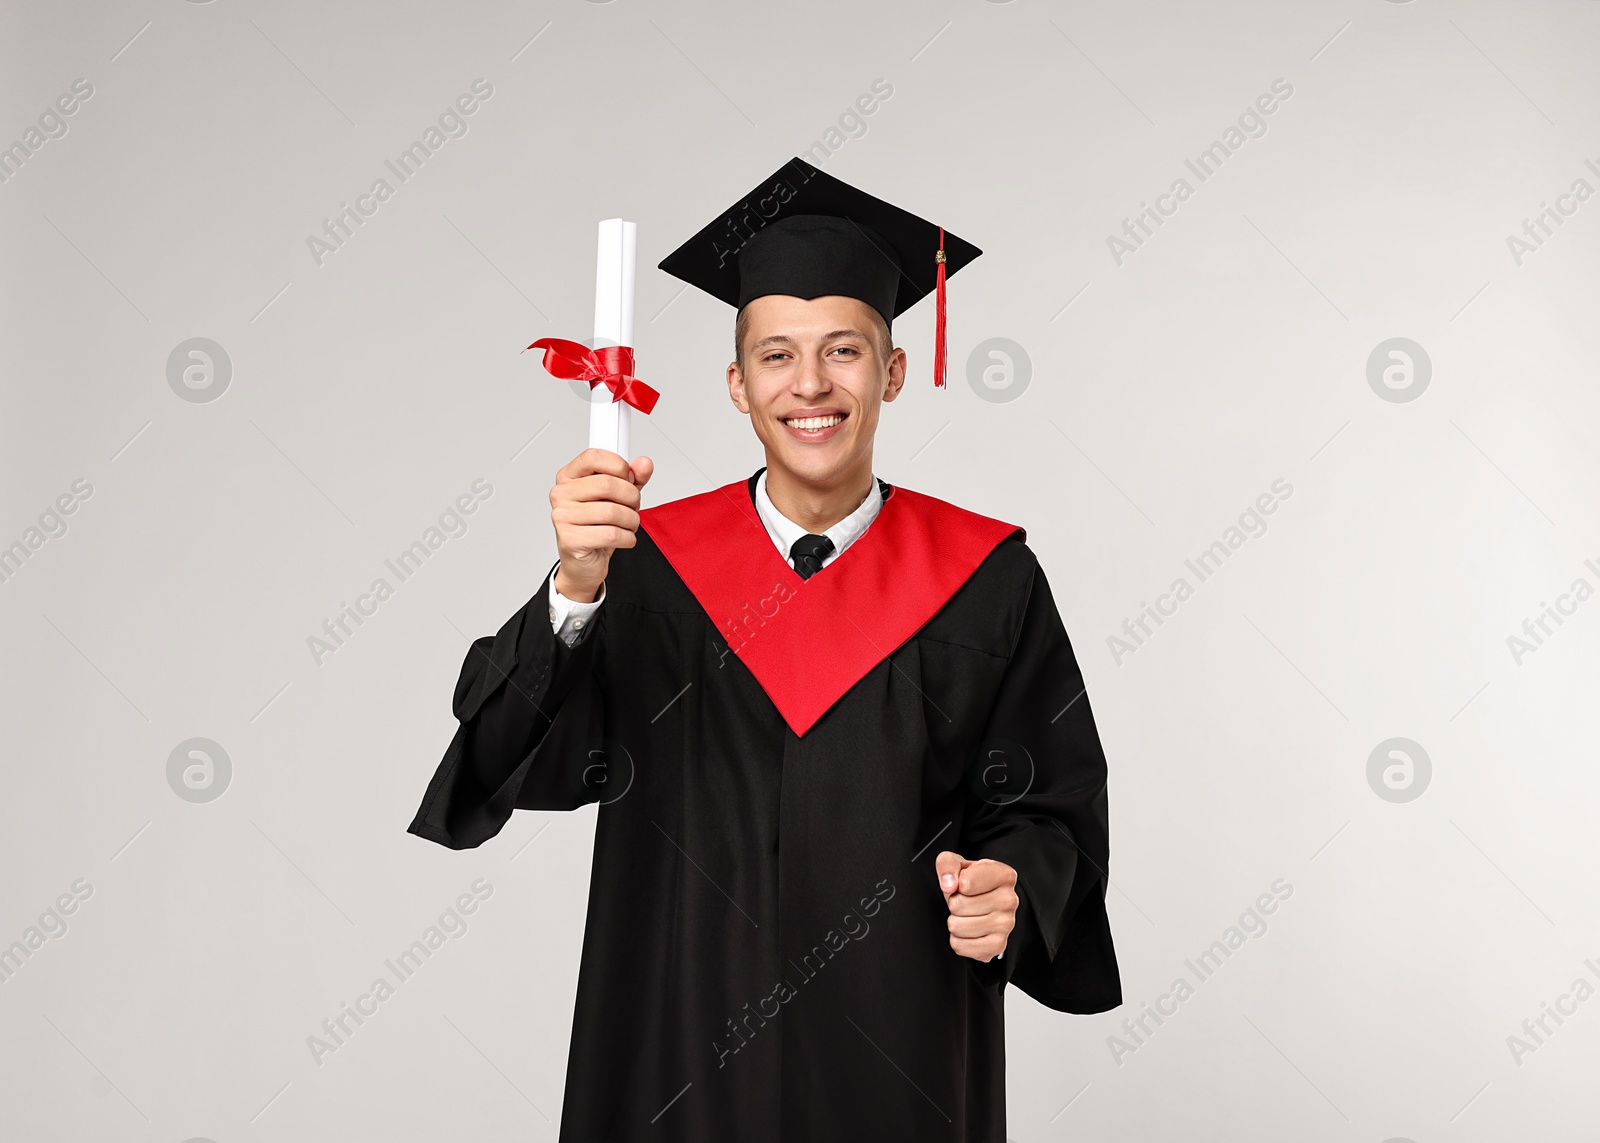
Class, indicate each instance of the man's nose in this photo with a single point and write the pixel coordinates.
(809, 378)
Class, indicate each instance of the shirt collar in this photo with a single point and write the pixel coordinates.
(785, 532)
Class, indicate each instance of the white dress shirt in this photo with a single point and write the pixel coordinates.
(568, 617)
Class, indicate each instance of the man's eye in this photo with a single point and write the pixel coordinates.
(846, 349)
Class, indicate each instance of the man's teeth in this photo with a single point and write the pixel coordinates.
(813, 422)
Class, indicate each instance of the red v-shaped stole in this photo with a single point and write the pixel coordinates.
(808, 641)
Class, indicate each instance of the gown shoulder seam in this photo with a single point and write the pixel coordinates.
(963, 646)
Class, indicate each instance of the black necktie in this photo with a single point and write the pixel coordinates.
(808, 553)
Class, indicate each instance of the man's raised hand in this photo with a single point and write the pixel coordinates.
(595, 509)
(982, 898)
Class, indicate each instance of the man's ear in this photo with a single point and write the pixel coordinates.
(897, 374)
(736, 387)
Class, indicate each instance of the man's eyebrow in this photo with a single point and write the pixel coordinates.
(783, 339)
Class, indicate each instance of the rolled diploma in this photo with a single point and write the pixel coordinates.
(615, 261)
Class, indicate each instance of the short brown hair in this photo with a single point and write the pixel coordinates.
(741, 326)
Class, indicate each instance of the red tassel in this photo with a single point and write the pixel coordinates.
(940, 349)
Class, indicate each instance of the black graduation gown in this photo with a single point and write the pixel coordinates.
(767, 954)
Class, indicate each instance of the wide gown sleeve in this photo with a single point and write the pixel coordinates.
(531, 712)
(1054, 832)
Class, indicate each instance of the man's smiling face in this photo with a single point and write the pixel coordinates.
(815, 373)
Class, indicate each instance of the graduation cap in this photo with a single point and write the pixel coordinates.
(805, 233)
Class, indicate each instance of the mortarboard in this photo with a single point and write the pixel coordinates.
(805, 233)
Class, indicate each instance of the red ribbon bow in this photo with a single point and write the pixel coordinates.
(611, 366)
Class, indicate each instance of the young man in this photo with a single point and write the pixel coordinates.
(849, 783)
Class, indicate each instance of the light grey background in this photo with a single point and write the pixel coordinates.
(1167, 393)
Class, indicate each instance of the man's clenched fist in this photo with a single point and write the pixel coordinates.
(983, 901)
(595, 509)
